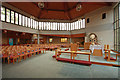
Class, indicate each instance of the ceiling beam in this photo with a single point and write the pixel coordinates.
(97, 3)
(34, 3)
(53, 10)
(46, 7)
(40, 11)
(91, 3)
(65, 8)
(109, 3)
(73, 6)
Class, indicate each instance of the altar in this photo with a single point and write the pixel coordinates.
(97, 50)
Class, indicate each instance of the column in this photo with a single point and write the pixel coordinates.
(38, 38)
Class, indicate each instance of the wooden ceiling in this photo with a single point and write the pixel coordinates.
(58, 10)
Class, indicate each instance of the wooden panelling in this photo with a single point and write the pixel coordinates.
(23, 37)
(73, 35)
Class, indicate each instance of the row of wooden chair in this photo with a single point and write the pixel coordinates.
(14, 53)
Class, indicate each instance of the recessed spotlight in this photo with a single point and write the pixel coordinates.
(41, 4)
(78, 7)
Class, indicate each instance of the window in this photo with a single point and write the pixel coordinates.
(20, 19)
(49, 26)
(88, 20)
(50, 40)
(71, 26)
(8, 15)
(16, 18)
(103, 15)
(117, 28)
(40, 27)
(76, 24)
(37, 25)
(34, 24)
(63, 39)
(83, 23)
(79, 23)
(59, 26)
(76, 27)
(63, 26)
(67, 26)
(31, 25)
(23, 20)
(2, 13)
(53, 25)
(12, 17)
(26, 21)
(44, 25)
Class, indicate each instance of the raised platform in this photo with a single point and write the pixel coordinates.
(74, 61)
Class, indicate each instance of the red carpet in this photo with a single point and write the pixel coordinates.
(74, 61)
(111, 58)
(54, 56)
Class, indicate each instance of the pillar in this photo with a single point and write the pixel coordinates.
(38, 38)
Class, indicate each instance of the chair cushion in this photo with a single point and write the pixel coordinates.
(66, 49)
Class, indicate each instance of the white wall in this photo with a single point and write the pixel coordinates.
(9, 26)
(103, 28)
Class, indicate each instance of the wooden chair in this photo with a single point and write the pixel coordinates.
(87, 45)
(107, 54)
(21, 55)
(13, 56)
(106, 47)
(4, 55)
(74, 47)
(97, 52)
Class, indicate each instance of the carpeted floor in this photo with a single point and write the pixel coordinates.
(44, 66)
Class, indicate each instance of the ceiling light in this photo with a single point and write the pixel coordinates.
(41, 4)
(78, 7)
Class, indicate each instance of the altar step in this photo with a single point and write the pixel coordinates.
(74, 61)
